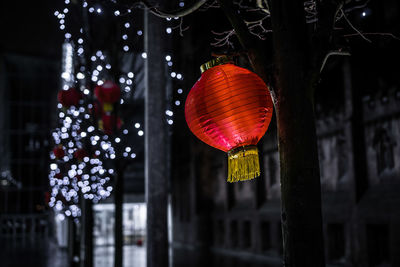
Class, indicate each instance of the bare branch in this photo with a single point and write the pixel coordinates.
(388, 34)
(258, 24)
(264, 7)
(247, 40)
(224, 38)
(180, 26)
(208, 6)
(333, 53)
(354, 28)
(177, 14)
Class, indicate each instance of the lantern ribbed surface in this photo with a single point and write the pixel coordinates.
(230, 108)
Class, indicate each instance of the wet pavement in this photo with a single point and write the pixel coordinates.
(45, 253)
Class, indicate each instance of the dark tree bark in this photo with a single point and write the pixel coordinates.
(297, 53)
(300, 177)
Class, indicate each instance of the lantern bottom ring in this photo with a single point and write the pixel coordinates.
(243, 163)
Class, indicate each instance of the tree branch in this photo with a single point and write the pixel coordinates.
(175, 14)
(242, 32)
(354, 28)
(333, 53)
(327, 11)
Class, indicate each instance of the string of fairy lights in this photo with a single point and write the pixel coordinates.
(86, 167)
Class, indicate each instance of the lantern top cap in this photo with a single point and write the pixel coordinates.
(215, 62)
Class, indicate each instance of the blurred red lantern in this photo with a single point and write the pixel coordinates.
(108, 93)
(230, 108)
(96, 110)
(80, 153)
(47, 197)
(69, 97)
(109, 123)
(59, 152)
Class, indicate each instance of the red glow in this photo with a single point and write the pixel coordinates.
(229, 107)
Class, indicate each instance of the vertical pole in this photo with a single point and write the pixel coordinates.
(155, 143)
(71, 241)
(118, 202)
(119, 165)
(87, 234)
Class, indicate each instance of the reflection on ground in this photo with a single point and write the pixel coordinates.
(45, 253)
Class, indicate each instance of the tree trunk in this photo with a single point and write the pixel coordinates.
(87, 234)
(155, 143)
(292, 88)
(300, 177)
(118, 227)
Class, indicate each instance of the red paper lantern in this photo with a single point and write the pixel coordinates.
(69, 97)
(108, 93)
(230, 108)
(59, 152)
(109, 123)
(79, 154)
(47, 197)
(96, 110)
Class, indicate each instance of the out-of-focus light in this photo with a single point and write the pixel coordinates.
(80, 76)
(53, 166)
(168, 30)
(140, 133)
(144, 55)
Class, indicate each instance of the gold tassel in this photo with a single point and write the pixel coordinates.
(107, 107)
(243, 164)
